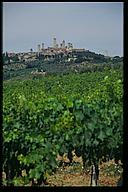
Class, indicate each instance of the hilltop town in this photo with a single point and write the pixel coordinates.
(55, 51)
(59, 58)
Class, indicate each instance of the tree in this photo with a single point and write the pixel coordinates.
(15, 58)
(6, 59)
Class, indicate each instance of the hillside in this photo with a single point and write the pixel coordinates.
(74, 62)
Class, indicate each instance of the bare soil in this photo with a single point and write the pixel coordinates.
(76, 176)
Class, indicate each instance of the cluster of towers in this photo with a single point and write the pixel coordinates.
(55, 45)
(62, 45)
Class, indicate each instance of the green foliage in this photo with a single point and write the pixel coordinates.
(57, 114)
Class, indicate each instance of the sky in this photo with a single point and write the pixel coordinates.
(94, 26)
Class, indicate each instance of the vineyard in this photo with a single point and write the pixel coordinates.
(45, 118)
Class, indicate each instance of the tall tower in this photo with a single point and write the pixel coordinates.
(54, 42)
(38, 48)
(63, 44)
(42, 46)
(70, 46)
(60, 45)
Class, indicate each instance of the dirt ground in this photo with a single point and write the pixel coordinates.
(75, 176)
(79, 179)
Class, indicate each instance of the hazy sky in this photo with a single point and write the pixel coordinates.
(94, 26)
